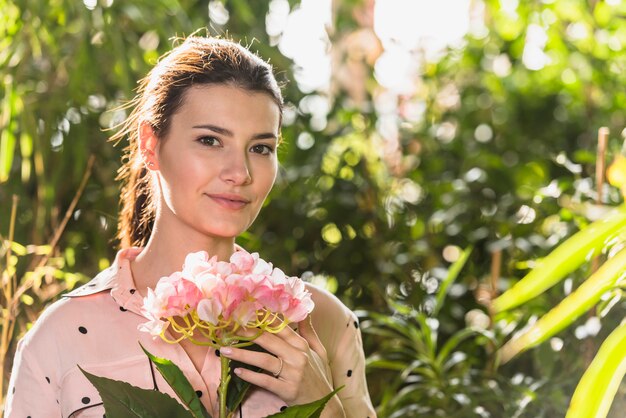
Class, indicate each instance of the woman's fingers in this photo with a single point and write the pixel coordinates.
(273, 342)
(274, 365)
(288, 384)
(287, 391)
(295, 366)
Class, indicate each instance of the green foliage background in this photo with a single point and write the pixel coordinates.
(340, 209)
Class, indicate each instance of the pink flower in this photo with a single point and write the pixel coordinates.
(231, 295)
(221, 294)
(229, 300)
(207, 282)
(261, 266)
(300, 303)
(288, 297)
(242, 261)
(210, 310)
(199, 263)
(155, 327)
(174, 295)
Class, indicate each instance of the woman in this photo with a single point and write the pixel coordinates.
(201, 160)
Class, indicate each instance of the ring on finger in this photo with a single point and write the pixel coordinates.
(280, 368)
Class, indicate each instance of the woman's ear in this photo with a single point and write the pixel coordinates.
(148, 146)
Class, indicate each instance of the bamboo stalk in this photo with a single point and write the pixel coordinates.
(496, 268)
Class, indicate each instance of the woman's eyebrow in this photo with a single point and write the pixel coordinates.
(226, 132)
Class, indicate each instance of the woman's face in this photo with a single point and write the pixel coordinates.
(217, 162)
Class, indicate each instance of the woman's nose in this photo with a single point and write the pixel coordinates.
(235, 170)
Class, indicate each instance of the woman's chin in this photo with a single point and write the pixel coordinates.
(225, 233)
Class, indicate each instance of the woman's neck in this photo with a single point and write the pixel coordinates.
(165, 253)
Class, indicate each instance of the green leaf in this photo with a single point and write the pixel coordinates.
(7, 137)
(122, 400)
(602, 378)
(453, 273)
(177, 380)
(454, 341)
(309, 410)
(7, 149)
(610, 275)
(566, 258)
(17, 248)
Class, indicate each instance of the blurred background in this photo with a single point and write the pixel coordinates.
(419, 137)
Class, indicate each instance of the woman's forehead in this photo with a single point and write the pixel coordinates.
(228, 104)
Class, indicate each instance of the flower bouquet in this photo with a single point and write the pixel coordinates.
(211, 303)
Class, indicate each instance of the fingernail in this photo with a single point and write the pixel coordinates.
(226, 350)
(238, 371)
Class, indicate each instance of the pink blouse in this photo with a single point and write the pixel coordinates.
(95, 327)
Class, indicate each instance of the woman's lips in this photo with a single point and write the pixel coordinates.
(227, 201)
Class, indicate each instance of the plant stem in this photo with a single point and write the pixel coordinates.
(26, 284)
(8, 316)
(224, 380)
(589, 350)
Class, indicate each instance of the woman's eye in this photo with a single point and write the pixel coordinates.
(210, 141)
(262, 149)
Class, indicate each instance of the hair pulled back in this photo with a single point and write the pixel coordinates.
(196, 61)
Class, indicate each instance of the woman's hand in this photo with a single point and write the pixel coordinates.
(296, 365)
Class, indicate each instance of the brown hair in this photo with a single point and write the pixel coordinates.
(196, 61)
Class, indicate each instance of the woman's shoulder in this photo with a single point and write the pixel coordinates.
(50, 325)
(57, 320)
(331, 318)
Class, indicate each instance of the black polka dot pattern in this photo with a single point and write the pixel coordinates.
(81, 323)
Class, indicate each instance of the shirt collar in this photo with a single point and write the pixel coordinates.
(117, 279)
